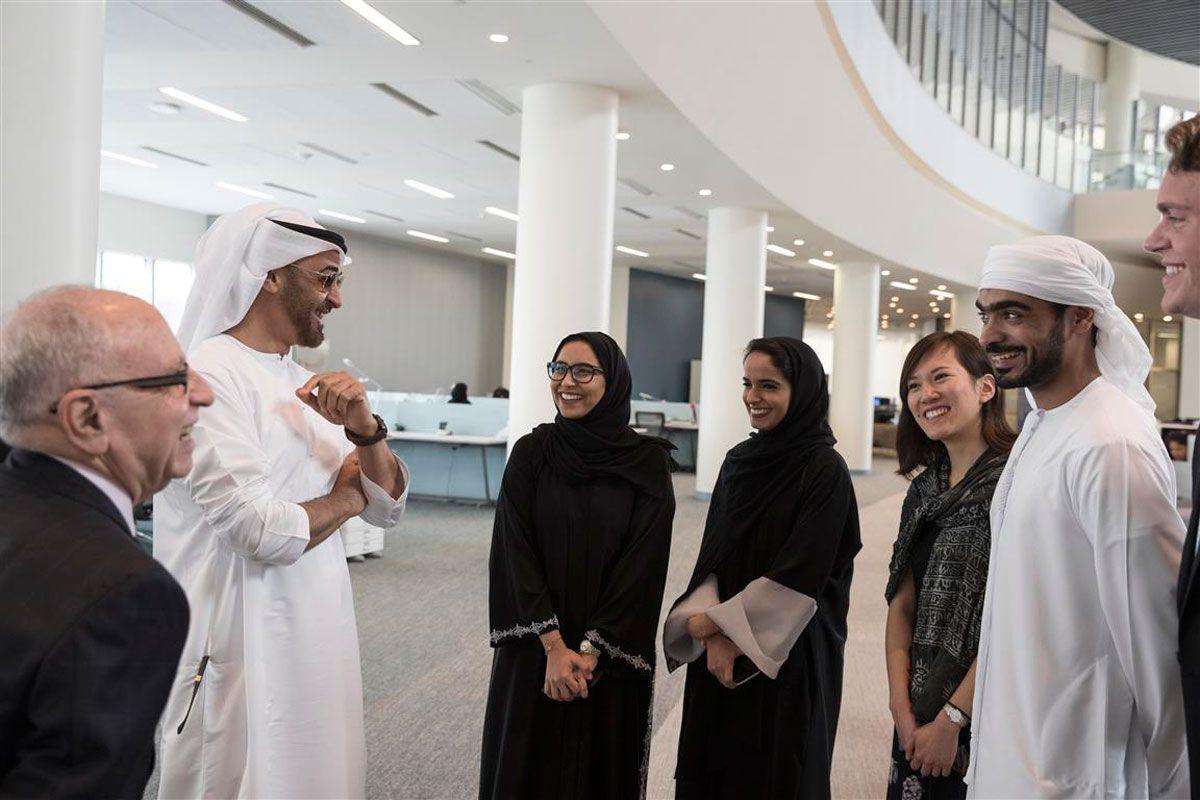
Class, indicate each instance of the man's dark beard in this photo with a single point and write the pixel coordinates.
(301, 310)
(1042, 365)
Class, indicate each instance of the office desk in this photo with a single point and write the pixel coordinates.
(683, 433)
(409, 444)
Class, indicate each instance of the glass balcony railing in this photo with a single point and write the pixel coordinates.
(1126, 171)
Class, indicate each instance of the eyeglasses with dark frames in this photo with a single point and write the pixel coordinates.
(179, 378)
(582, 373)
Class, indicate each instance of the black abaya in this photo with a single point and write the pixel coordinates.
(774, 738)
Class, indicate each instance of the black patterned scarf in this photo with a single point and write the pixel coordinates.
(950, 606)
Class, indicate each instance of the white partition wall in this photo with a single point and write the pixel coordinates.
(563, 275)
(964, 314)
(733, 315)
(856, 320)
(51, 67)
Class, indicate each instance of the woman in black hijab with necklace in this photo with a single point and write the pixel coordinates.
(763, 620)
(578, 563)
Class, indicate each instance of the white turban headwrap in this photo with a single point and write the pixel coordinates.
(233, 258)
(1063, 270)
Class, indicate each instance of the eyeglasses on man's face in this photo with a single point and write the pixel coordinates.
(327, 280)
(179, 378)
(581, 373)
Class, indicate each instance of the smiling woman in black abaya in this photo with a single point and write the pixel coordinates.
(577, 569)
(763, 620)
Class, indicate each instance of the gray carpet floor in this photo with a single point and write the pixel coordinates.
(422, 618)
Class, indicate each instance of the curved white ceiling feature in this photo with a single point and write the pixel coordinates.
(782, 104)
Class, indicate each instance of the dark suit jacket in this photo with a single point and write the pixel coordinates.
(90, 634)
(1189, 628)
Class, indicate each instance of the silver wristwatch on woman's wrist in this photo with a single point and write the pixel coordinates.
(957, 717)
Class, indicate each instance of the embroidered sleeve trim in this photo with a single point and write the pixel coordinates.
(517, 631)
(637, 662)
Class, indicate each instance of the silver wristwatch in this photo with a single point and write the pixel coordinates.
(589, 649)
(957, 717)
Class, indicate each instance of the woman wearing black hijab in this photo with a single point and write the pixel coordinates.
(458, 393)
(577, 568)
(763, 620)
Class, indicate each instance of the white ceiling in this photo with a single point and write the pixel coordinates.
(296, 97)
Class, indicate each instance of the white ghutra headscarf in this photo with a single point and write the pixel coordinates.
(1063, 270)
(233, 258)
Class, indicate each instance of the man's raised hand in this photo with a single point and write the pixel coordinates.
(341, 399)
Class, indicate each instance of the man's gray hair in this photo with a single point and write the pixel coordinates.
(51, 343)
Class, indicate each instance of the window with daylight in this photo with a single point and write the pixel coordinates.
(161, 282)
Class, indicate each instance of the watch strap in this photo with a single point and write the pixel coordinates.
(380, 434)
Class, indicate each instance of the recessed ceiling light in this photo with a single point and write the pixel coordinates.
(705, 192)
(502, 253)
(885, 316)
(666, 167)
(498, 38)
(941, 295)
(945, 316)
(201, 103)
(1168, 318)
(806, 296)
(912, 280)
(428, 236)
(829, 315)
(798, 242)
(886, 272)
(899, 310)
(768, 288)
(941, 287)
(829, 327)
(630, 251)
(933, 305)
(936, 309)
(816, 262)
(916, 316)
(137, 162)
(622, 136)
(1139, 316)
(500, 212)
(233, 187)
(341, 216)
(912, 324)
(783, 251)
(906, 286)
(376, 18)
(441, 194)
(770, 229)
(700, 276)
(828, 253)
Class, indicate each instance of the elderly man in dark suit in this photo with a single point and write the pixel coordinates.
(1176, 241)
(97, 404)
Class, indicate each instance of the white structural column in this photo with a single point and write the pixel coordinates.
(506, 364)
(618, 326)
(51, 68)
(1189, 372)
(563, 273)
(736, 265)
(964, 314)
(851, 406)
(1122, 83)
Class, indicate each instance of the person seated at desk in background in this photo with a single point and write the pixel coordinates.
(458, 394)
(500, 393)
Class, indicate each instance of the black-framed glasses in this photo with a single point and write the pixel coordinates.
(582, 373)
(328, 280)
(179, 378)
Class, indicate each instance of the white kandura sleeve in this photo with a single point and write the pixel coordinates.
(1124, 499)
(383, 510)
(678, 644)
(764, 620)
(230, 481)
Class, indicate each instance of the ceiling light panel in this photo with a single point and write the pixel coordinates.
(783, 251)
(901, 285)
(492, 251)
(203, 104)
(441, 194)
(806, 296)
(429, 237)
(343, 217)
(489, 95)
(381, 21)
(816, 262)
(495, 211)
(405, 100)
(137, 162)
(630, 251)
(233, 187)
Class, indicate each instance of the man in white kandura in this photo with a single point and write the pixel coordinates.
(1077, 692)
(268, 700)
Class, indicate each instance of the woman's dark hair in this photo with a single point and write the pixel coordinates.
(914, 448)
(458, 394)
(776, 352)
